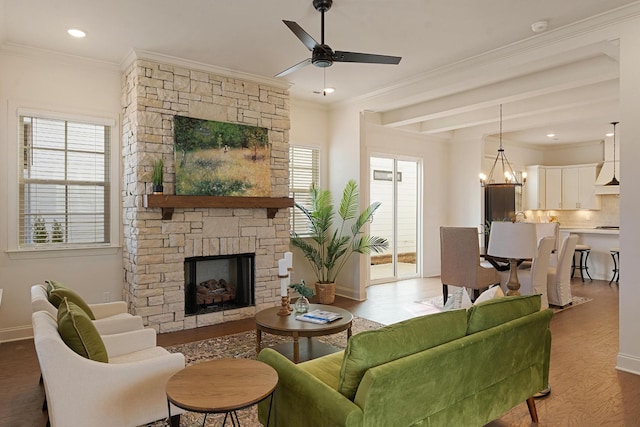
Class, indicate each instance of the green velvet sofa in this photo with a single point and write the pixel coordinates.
(455, 368)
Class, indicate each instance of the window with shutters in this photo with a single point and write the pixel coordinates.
(64, 186)
(304, 171)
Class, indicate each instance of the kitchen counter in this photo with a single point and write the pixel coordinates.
(601, 241)
(582, 230)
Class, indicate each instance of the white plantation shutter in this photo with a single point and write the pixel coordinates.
(64, 185)
(304, 171)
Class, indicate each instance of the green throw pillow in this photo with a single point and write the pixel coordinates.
(51, 285)
(58, 293)
(501, 310)
(79, 333)
(373, 348)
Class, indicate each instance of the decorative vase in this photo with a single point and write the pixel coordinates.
(301, 305)
(158, 189)
(326, 292)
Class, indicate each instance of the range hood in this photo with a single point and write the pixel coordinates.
(606, 171)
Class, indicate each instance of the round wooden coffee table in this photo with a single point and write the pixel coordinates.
(221, 386)
(268, 321)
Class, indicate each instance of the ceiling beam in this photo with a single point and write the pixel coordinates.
(570, 99)
(588, 71)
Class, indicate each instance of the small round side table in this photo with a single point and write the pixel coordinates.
(221, 386)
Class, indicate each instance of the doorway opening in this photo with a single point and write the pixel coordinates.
(395, 182)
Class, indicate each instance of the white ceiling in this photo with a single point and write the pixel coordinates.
(249, 36)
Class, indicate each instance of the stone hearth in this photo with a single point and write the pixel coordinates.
(155, 249)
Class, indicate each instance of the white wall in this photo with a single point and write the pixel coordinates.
(55, 84)
(309, 127)
(578, 154)
(463, 185)
(518, 155)
(629, 352)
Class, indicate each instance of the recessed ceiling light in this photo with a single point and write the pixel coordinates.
(329, 90)
(551, 135)
(539, 26)
(608, 134)
(74, 32)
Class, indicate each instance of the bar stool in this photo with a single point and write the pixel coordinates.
(584, 251)
(615, 254)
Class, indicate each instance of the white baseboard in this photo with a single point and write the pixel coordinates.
(628, 363)
(16, 334)
(348, 293)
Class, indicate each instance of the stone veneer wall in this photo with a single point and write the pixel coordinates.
(154, 249)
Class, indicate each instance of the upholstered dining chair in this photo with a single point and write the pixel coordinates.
(559, 275)
(544, 229)
(460, 261)
(534, 280)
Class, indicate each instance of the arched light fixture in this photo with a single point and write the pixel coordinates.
(510, 177)
(614, 180)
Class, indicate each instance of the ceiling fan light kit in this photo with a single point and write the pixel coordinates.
(321, 54)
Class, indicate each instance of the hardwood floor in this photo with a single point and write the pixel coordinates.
(587, 390)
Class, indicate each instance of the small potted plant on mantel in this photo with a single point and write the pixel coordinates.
(158, 176)
(328, 248)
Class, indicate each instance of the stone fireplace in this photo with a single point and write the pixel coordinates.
(157, 244)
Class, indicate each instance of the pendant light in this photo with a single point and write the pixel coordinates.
(614, 180)
(509, 175)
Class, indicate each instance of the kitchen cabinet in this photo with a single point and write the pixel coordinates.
(561, 187)
(578, 187)
(553, 186)
(535, 188)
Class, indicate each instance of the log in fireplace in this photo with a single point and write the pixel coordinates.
(216, 283)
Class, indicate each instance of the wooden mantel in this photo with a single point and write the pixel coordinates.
(169, 202)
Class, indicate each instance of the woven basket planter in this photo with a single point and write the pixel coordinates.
(326, 292)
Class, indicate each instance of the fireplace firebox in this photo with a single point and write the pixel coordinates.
(216, 283)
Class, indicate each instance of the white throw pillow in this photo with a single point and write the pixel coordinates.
(459, 299)
(491, 293)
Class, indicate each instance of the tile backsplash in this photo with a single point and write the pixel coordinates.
(609, 214)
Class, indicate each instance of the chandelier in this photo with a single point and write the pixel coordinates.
(502, 162)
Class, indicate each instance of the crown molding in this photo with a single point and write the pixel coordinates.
(24, 51)
(137, 54)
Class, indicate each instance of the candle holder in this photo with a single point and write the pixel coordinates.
(289, 301)
(285, 309)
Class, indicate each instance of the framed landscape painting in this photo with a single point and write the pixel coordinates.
(221, 159)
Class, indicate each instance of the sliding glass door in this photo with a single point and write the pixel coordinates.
(395, 183)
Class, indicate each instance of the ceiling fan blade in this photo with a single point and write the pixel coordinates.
(294, 68)
(340, 56)
(304, 37)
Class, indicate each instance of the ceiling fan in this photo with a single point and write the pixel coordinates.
(322, 55)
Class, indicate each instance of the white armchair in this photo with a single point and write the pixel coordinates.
(127, 391)
(111, 317)
(559, 275)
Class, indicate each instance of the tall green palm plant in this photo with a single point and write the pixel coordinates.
(328, 248)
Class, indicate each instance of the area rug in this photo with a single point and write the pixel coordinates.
(243, 345)
(434, 304)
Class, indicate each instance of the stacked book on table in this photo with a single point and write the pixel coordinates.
(318, 316)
